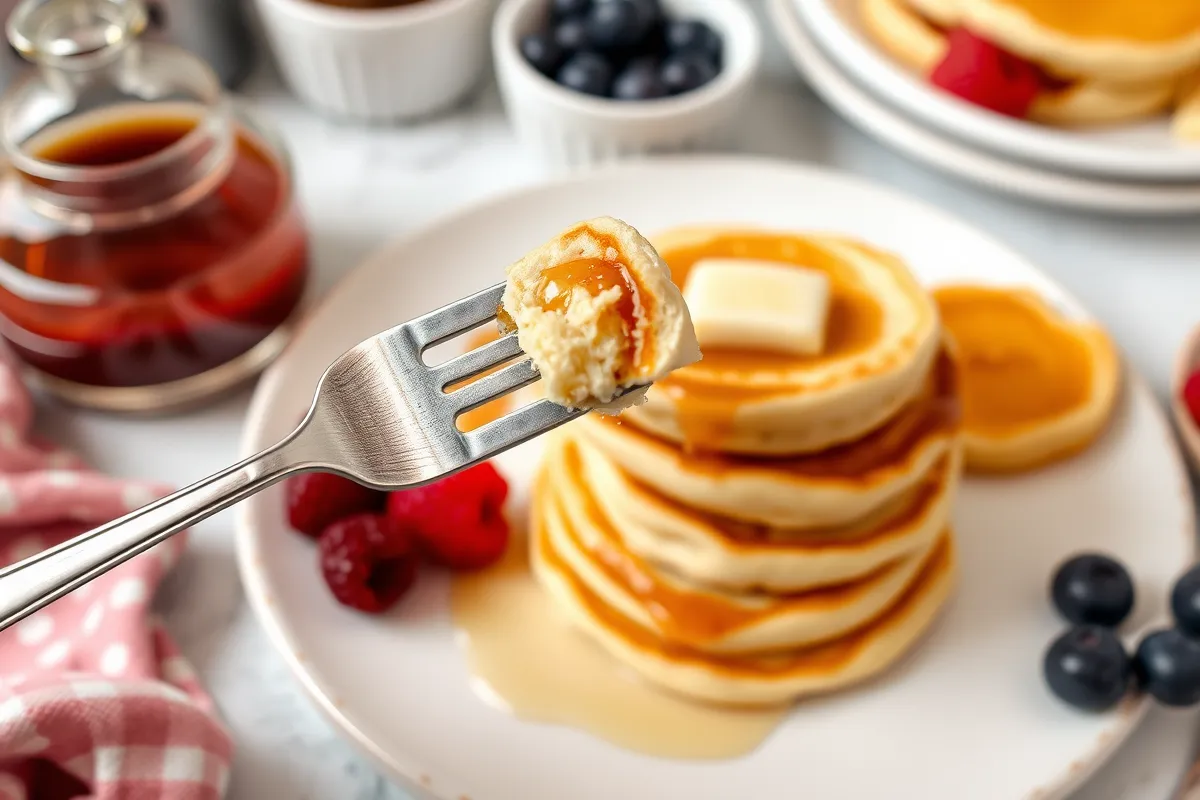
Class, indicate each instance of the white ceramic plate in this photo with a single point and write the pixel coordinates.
(965, 716)
(941, 151)
(1143, 150)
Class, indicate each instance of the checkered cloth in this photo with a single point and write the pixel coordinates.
(95, 700)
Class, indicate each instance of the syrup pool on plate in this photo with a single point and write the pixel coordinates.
(527, 658)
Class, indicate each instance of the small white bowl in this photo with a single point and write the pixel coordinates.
(571, 129)
(379, 64)
(1187, 360)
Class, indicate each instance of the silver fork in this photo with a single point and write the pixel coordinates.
(380, 416)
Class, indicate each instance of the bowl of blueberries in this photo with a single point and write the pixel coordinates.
(593, 81)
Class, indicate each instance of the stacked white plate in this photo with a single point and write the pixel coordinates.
(1129, 169)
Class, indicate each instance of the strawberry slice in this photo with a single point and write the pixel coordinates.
(981, 73)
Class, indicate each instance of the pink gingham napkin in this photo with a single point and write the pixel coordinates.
(95, 700)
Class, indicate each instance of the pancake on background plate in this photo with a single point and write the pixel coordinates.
(1059, 62)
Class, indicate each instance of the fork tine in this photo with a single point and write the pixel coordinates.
(517, 428)
(476, 361)
(489, 387)
(520, 426)
(457, 317)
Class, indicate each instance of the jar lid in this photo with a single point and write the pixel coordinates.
(75, 33)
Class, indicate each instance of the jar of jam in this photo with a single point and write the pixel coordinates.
(151, 250)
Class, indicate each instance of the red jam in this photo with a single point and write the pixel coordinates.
(170, 299)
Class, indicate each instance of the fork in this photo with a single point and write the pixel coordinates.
(381, 417)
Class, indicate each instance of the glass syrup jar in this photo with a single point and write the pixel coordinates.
(151, 250)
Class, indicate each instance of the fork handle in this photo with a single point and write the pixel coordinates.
(34, 583)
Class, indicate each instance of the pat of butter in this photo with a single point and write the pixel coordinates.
(749, 304)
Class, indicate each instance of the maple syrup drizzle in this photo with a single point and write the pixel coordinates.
(686, 615)
(557, 286)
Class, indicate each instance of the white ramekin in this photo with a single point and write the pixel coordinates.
(386, 64)
(569, 129)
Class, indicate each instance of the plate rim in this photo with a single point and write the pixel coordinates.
(931, 148)
(399, 767)
(1019, 140)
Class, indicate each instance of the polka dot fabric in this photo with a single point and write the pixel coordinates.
(95, 700)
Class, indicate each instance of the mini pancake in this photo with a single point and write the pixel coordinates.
(1035, 386)
(1115, 40)
(920, 45)
(769, 679)
(715, 552)
(705, 619)
(881, 339)
(834, 487)
(595, 310)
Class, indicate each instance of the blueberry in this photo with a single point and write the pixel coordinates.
(1185, 602)
(1092, 589)
(652, 44)
(585, 72)
(693, 36)
(561, 9)
(1167, 665)
(639, 81)
(651, 12)
(1088, 668)
(540, 50)
(571, 34)
(618, 24)
(687, 71)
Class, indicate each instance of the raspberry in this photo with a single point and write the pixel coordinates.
(459, 520)
(315, 500)
(1191, 396)
(981, 73)
(368, 561)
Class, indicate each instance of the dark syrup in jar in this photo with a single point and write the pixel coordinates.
(176, 297)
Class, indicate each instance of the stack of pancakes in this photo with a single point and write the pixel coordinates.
(1105, 60)
(766, 526)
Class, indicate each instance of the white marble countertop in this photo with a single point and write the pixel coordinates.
(362, 185)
